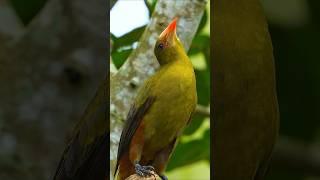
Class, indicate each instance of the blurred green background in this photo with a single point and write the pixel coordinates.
(295, 30)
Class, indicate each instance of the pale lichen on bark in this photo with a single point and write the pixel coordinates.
(142, 62)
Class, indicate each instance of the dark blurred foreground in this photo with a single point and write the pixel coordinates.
(52, 58)
(295, 31)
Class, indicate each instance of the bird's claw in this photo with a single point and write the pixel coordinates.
(144, 171)
(163, 177)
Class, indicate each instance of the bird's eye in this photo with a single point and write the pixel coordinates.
(161, 46)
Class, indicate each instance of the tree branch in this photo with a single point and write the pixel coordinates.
(202, 110)
(137, 177)
(142, 63)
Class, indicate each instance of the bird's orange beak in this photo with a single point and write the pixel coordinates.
(170, 31)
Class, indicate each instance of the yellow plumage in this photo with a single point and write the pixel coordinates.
(161, 110)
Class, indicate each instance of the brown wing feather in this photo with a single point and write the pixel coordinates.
(86, 161)
(134, 118)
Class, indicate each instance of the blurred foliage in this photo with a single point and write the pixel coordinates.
(296, 54)
(196, 149)
(200, 169)
(191, 152)
(127, 39)
(197, 121)
(122, 46)
(296, 51)
(150, 4)
(27, 9)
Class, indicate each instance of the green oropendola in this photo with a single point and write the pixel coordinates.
(245, 117)
(160, 112)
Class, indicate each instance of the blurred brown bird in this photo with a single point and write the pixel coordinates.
(245, 117)
(85, 157)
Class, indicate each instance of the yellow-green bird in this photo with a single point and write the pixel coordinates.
(245, 117)
(85, 157)
(161, 110)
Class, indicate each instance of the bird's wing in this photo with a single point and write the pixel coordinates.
(86, 155)
(143, 102)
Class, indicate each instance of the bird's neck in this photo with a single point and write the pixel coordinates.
(180, 58)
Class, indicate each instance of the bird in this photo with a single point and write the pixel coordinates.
(85, 157)
(161, 110)
(245, 107)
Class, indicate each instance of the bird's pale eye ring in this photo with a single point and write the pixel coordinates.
(161, 46)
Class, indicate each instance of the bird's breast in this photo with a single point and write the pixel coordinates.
(175, 101)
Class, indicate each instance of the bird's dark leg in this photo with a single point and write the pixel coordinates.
(144, 171)
(161, 160)
(163, 177)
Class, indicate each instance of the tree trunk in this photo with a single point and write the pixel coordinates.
(49, 71)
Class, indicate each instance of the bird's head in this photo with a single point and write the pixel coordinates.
(168, 47)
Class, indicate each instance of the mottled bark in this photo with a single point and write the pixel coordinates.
(142, 62)
(49, 71)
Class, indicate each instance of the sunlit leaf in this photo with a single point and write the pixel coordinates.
(203, 86)
(203, 22)
(198, 61)
(190, 152)
(194, 125)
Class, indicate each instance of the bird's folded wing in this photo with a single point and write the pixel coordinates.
(134, 118)
(142, 103)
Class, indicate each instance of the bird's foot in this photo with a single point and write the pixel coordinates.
(163, 177)
(144, 171)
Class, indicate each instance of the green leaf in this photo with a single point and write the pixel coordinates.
(120, 57)
(200, 44)
(203, 22)
(27, 9)
(190, 152)
(127, 39)
(194, 125)
(203, 86)
(151, 4)
(113, 37)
